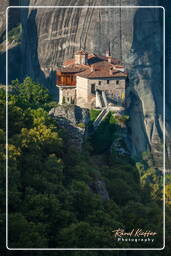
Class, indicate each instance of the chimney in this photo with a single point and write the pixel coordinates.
(107, 53)
(111, 71)
(77, 58)
(109, 59)
(92, 68)
(81, 57)
(86, 59)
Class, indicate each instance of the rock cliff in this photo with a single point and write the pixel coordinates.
(135, 35)
(70, 117)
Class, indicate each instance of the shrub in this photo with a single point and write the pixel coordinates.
(15, 34)
(94, 113)
(81, 125)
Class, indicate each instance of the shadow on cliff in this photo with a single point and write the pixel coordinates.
(30, 58)
(14, 52)
(146, 74)
(14, 61)
(23, 59)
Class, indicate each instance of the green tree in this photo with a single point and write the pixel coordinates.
(53, 195)
(29, 94)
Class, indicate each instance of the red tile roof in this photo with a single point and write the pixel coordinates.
(74, 68)
(102, 73)
(102, 65)
(68, 62)
(119, 66)
(92, 58)
(113, 60)
(97, 67)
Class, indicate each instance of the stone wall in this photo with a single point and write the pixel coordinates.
(112, 90)
(67, 95)
(85, 98)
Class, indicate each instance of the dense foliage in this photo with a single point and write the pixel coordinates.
(94, 114)
(103, 137)
(54, 199)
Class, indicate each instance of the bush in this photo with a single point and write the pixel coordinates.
(81, 125)
(15, 34)
(104, 135)
(29, 94)
(94, 113)
(56, 192)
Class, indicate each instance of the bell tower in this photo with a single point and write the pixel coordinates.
(81, 57)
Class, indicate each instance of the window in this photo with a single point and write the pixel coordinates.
(117, 81)
(63, 100)
(93, 89)
(108, 81)
(99, 82)
(72, 101)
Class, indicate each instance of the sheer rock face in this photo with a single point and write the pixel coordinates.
(135, 35)
(3, 5)
(13, 13)
(62, 30)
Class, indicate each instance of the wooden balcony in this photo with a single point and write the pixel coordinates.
(66, 80)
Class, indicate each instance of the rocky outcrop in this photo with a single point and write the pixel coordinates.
(135, 35)
(3, 6)
(99, 187)
(70, 117)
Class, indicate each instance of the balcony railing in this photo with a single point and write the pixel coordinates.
(64, 83)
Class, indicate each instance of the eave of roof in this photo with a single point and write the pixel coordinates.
(73, 68)
(102, 74)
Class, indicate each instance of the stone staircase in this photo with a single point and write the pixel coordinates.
(102, 99)
(100, 117)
